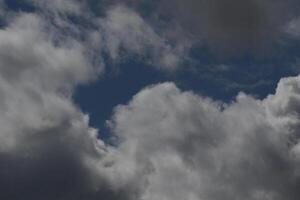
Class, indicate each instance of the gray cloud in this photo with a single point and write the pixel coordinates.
(120, 32)
(190, 147)
(293, 28)
(44, 138)
(125, 32)
(47, 149)
(227, 28)
(230, 27)
(170, 144)
(234, 25)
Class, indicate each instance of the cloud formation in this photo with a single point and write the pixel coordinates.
(47, 149)
(126, 32)
(120, 32)
(229, 27)
(190, 147)
(44, 137)
(169, 144)
(234, 25)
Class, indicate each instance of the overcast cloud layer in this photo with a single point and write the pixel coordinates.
(168, 144)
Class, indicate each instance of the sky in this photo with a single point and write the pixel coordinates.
(149, 99)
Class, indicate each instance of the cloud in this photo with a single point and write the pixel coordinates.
(190, 147)
(169, 144)
(119, 33)
(229, 27)
(125, 32)
(293, 28)
(47, 149)
(45, 139)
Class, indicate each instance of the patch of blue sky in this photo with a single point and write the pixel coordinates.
(116, 86)
(19, 5)
(207, 76)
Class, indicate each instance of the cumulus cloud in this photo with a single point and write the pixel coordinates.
(47, 149)
(44, 137)
(190, 147)
(169, 144)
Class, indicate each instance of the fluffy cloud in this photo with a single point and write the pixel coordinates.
(47, 149)
(189, 147)
(169, 144)
(45, 139)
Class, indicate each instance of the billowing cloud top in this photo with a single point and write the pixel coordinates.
(168, 144)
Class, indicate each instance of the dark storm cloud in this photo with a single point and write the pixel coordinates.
(52, 167)
(50, 171)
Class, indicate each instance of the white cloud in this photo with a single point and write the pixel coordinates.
(189, 147)
(36, 77)
(122, 32)
(47, 149)
(125, 32)
(28, 43)
(45, 140)
(172, 144)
